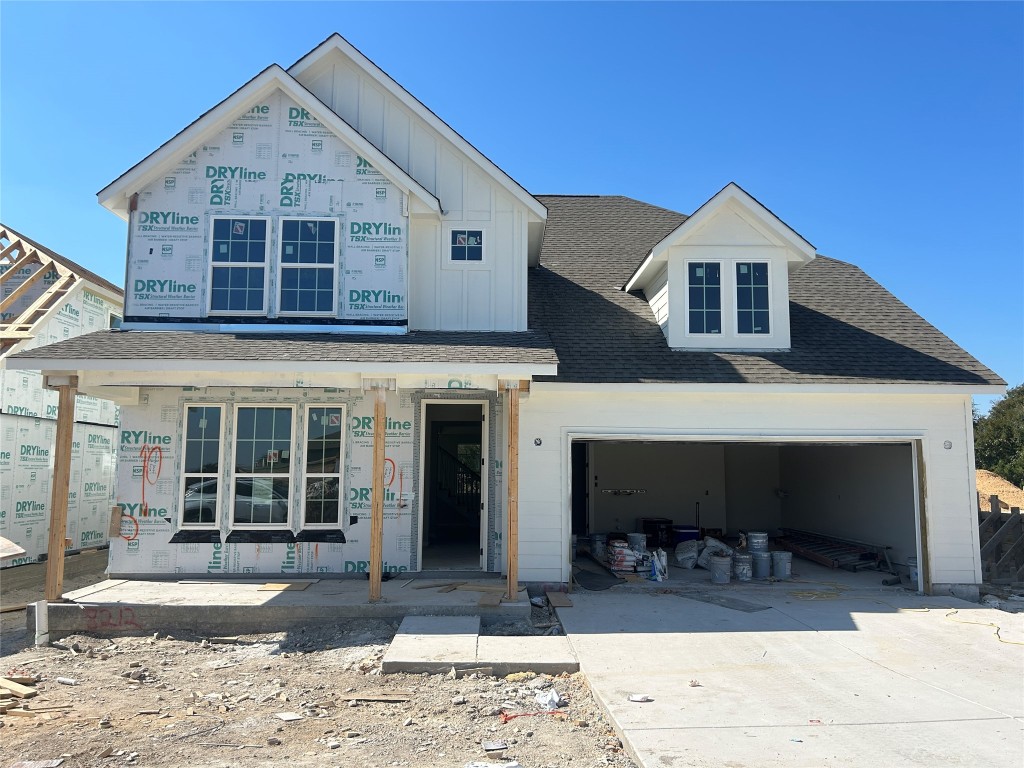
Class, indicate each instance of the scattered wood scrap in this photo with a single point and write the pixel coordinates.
(19, 690)
(15, 607)
(451, 584)
(559, 599)
(498, 588)
(489, 600)
(292, 586)
(396, 697)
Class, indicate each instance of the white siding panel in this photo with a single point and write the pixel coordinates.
(478, 300)
(423, 274)
(423, 162)
(452, 317)
(346, 93)
(371, 113)
(397, 136)
(450, 184)
(657, 297)
(478, 197)
(322, 86)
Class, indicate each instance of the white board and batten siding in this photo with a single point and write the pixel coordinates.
(446, 295)
(556, 416)
(657, 297)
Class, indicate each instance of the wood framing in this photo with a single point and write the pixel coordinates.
(377, 497)
(512, 532)
(59, 489)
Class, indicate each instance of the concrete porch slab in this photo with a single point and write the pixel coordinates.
(226, 607)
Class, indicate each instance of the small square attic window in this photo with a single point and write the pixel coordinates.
(467, 245)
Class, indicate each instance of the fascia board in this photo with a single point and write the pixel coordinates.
(115, 196)
(160, 367)
(781, 389)
(338, 43)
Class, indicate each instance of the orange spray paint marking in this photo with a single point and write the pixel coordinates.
(152, 465)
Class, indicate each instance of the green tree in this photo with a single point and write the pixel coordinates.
(999, 437)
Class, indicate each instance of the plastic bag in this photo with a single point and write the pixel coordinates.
(712, 547)
(686, 553)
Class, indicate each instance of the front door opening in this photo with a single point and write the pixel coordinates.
(454, 487)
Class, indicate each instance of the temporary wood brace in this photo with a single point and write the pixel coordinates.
(377, 497)
(67, 388)
(512, 480)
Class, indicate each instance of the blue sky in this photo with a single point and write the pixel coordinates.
(888, 134)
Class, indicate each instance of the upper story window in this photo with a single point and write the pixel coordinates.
(705, 297)
(467, 245)
(308, 257)
(752, 310)
(239, 266)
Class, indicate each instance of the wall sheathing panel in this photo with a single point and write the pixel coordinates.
(149, 494)
(276, 160)
(26, 467)
(556, 417)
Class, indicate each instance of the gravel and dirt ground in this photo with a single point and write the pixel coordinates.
(185, 701)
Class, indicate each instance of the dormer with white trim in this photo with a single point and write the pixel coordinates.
(720, 280)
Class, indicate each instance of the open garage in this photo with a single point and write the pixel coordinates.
(859, 492)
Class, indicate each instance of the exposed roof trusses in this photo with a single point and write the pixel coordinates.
(117, 195)
(21, 260)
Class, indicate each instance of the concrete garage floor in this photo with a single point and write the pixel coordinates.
(837, 671)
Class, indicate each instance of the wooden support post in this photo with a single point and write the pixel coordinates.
(377, 497)
(512, 480)
(924, 567)
(67, 390)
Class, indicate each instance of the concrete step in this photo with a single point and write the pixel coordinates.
(436, 644)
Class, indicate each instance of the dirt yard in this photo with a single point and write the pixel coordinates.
(174, 701)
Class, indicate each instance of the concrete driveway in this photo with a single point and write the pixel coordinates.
(802, 674)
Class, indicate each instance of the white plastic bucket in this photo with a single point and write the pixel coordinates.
(782, 565)
(721, 569)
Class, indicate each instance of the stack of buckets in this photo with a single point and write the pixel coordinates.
(757, 562)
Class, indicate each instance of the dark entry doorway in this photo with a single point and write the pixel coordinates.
(454, 487)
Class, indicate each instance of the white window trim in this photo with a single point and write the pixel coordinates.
(235, 475)
(722, 300)
(736, 303)
(215, 525)
(730, 335)
(210, 311)
(281, 266)
(304, 475)
(447, 262)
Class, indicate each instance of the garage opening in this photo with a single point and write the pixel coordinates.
(853, 492)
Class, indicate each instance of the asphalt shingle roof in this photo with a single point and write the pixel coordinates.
(451, 347)
(845, 328)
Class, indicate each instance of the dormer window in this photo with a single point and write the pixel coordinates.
(705, 288)
(752, 297)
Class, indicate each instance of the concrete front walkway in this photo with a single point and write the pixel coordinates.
(802, 674)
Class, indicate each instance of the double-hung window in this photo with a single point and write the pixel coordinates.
(704, 279)
(325, 456)
(238, 266)
(752, 297)
(261, 493)
(201, 468)
(308, 251)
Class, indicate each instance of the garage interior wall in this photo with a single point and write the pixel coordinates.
(859, 492)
